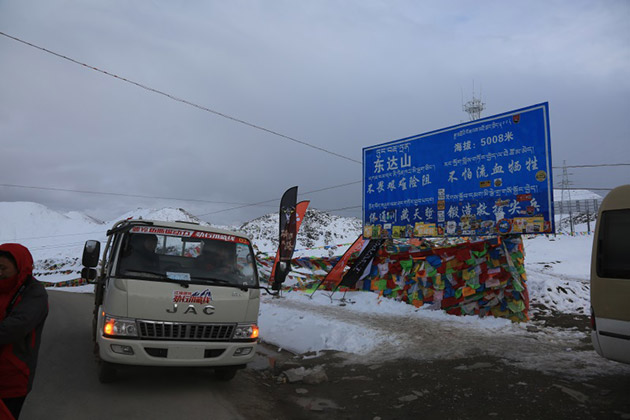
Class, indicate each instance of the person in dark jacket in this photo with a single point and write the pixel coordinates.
(23, 310)
(215, 260)
(140, 254)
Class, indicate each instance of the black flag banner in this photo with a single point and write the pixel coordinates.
(288, 236)
(353, 275)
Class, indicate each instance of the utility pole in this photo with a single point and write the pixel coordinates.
(565, 188)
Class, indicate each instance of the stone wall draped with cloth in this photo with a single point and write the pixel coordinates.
(485, 277)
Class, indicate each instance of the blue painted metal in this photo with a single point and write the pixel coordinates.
(483, 177)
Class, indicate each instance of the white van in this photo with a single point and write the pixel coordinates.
(173, 294)
(610, 277)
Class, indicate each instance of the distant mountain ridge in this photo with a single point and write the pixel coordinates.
(168, 214)
(44, 229)
(51, 234)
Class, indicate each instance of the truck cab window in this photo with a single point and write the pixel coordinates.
(138, 253)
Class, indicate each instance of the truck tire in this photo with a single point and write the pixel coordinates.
(106, 372)
(225, 373)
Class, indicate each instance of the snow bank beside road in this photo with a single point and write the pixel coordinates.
(372, 330)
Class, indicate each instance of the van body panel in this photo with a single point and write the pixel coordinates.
(610, 277)
(613, 339)
(610, 298)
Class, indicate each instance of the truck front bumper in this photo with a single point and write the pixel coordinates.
(175, 353)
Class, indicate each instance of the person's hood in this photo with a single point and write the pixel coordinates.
(24, 262)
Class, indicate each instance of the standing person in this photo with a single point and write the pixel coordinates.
(23, 310)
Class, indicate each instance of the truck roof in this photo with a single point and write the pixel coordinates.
(175, 225)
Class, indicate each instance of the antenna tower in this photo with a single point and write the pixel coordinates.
(474, 107)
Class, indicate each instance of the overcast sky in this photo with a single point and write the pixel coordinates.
(339, 75)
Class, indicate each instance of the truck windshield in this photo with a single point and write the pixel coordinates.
(184, 258)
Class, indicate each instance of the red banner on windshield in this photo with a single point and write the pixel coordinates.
(188, 234)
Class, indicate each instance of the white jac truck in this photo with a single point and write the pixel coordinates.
(173, 294)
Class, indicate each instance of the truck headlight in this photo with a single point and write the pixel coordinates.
(120, 327)
(246, 332)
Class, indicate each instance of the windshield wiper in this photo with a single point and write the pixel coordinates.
(158, 276)
(194, 280)
(225, 283)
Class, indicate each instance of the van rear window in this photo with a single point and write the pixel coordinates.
(613, 252)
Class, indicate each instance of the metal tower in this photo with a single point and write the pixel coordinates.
(566, 188)
(474, 107)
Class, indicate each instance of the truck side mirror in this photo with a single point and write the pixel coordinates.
(281, 274)
(91, 252)
(89, 274)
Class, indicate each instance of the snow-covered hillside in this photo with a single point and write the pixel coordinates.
(51, 235)
(56, 240)
(559, 195)
(168, 214)
(319, 229)
(47, 233)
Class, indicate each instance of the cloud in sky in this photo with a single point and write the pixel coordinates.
(339, 75)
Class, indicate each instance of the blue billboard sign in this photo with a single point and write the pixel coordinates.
(484, 177)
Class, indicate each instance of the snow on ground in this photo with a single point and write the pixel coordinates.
(558, 271)
(368, 327)
(372, 330)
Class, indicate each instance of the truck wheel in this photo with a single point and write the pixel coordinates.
(106, 372)
(226, 373)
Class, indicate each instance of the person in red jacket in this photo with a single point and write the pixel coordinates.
(23, 310)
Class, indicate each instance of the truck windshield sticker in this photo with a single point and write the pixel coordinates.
(188, 234)
(178, 276)
(198, 296)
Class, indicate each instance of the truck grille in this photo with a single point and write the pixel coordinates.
(156, 330)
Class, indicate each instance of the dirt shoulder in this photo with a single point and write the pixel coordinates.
(334, 385)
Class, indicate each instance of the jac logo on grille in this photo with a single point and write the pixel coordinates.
(208, 309)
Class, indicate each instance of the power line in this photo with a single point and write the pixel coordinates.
(240, 205)
(55, 236)
(116, 194)
(346, 208)
(233, 208)
(584, 188)
(184, 101)
(600, 165)
(333, 187)
(277, 199)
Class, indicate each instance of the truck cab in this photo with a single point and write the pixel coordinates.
(173, 294)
